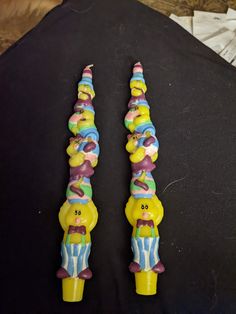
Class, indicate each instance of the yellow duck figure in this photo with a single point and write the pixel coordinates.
(77, 221)
(144, 215)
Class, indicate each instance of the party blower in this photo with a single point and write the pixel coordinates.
(78, 215)
(143, 210)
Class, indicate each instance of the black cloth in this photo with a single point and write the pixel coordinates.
(192, 94)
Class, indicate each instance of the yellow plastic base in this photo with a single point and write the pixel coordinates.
(72, 289)
(146, 282)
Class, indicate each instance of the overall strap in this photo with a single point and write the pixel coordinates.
(153, 232)
(68, 238)
(83, 239)
(137, 233)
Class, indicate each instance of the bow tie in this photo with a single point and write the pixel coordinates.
(77, 229)
(141, 222)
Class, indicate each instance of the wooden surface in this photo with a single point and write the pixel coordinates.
(186, 7)
(18, 17)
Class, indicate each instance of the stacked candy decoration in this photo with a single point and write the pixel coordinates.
(78, 215)
(143, 210)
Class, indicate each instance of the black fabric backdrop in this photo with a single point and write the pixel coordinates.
(192, 94)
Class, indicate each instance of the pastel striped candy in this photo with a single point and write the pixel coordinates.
(146, 127)
(130, 116)
(84, 106)
(89, 132)
(139, 192)
(137, 101)
(77, 116)
(85, 186)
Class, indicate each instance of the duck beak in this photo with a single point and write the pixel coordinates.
(145, 215)
(77, 220)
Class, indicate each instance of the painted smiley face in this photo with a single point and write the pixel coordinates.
(144, 209)
(78, 215)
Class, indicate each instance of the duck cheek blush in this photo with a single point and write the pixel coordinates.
(78, 215)
(143, 210)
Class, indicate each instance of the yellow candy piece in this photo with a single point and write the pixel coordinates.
(154, 157)
(77, 159)
(142, 177)
(142, 119)
(85, 89)
(88, 115)
(138, 85)
(83, 96)
(72, 148)
(138, 155)
(131, 144)
(143, 110)
(132, 127)
(94, 162)
(74, 130)
(148, 134)
(136, 92)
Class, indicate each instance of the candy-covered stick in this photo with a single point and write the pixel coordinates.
(144, 210)
(78, 215)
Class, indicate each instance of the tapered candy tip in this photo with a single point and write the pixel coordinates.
(89, 66)
(87, 80)
(138, 67)
(72, 289)
(87, 72)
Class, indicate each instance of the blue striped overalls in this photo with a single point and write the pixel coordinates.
(75, 256)
(145, 250)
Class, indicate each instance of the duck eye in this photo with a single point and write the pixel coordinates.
(142, 206)
(146, 206)
(79, 212)
(76, 212)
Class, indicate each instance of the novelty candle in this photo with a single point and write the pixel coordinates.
(78, 215)
(143, 210)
